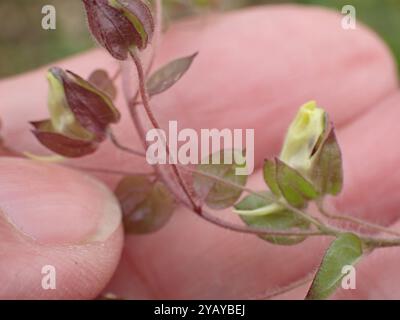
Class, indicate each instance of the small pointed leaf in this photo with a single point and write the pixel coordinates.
(327, 170)
(102, 81)
(65, 146)
(216, 194)
(294, 187)
(269, 171)
(93, 109)
(168, 75)
(345, 250)
(146, 206)
(274, 217)
(254, 205)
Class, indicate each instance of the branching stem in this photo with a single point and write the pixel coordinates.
(123, 148)
(146, 104)
(188, 192)
(354, 220)
(324, 229)
(256, 230)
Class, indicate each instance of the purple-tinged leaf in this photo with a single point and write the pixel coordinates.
(167, 76)
(327, 168)
(215, 193)
(146, 205)
(102, 81)
(92, 108)
(61, 144)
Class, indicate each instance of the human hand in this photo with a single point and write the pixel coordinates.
(254, 69)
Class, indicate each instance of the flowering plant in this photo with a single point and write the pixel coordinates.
(307, 171)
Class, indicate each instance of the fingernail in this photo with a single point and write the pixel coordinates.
(55, 205)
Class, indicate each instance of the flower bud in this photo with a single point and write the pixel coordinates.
(120, 24)
(79, 115)
(309, 167)
(302, 137)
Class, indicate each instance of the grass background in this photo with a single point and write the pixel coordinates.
(24, 45)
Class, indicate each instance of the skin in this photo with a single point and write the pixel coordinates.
(255, 68)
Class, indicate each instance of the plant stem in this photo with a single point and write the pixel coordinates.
(304, 215)
(255, 230)
(123, 148)
(227, 225)
(146, 104)
(324, 229)
(372, 242)
(357, 221)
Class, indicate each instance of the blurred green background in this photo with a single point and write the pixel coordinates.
(24, 45)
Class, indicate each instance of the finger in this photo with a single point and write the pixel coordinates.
(370, 159)
(57, 217)
(251, 73)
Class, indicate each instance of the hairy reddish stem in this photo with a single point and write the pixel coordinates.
(146, 104)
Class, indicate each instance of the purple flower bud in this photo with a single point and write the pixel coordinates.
(80, 115)
(120, 24)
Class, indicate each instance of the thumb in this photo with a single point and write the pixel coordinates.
(52, 216)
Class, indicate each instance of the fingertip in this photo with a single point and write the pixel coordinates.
(53, 216)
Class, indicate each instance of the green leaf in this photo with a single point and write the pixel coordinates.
(217, 194)
(294, 187)
(275, 217)
(345, 250)
(102, 81)
(327, 169)
(168, 75)
(146, 206)
(269, 171)
(253, 205)
(253, 202)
